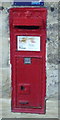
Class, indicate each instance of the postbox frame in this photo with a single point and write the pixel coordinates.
(41, 54)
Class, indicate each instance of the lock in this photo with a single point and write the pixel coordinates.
(22, 87)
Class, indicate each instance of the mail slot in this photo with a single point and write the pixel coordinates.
(28, 59)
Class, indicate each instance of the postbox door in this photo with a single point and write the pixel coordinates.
(29, 78)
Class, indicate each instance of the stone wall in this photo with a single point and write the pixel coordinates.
(51, 48)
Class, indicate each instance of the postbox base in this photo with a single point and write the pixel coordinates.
(36, 111)
(30, 110)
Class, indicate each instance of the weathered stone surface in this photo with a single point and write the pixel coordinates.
(6, 82)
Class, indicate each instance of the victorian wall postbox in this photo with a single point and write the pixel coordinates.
(28, 59)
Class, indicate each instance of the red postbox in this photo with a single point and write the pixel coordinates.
(28, 59)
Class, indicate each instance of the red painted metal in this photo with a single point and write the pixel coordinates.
(28, 80)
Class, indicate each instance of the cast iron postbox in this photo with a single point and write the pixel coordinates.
(28, 59)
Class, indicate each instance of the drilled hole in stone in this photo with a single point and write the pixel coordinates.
(52, 9)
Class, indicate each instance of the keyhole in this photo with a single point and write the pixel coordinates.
(22, 87)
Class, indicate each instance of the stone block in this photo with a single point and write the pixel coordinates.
(6, 83)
